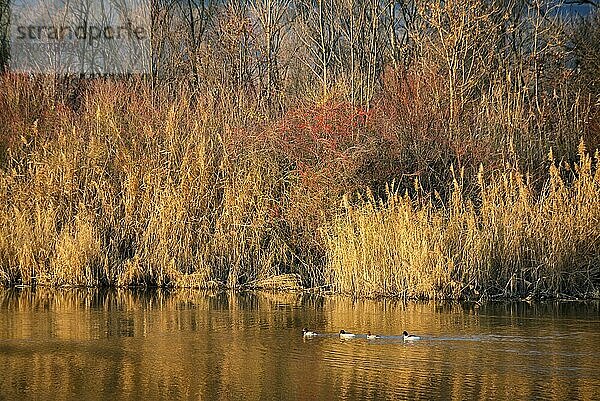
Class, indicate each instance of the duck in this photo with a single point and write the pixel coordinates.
(372, 336)
(346, 335)
(308, 334)
(409, 337)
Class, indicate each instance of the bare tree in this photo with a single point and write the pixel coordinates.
(584, 49)
(361, 52)
(461, 45)
(4, 29)
(317, 29)
(180, 36)
(273, 21)
(403, 27)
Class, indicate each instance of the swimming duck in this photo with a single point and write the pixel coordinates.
(345, 335)
(409, 337)
(372, 336)
(307, 333)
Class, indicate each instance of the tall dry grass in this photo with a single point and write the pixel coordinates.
(117, 183)
(136, 188)
(509, 242)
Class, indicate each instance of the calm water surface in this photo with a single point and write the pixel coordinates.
(93, 345)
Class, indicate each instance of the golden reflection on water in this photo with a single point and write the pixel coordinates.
(92, 344)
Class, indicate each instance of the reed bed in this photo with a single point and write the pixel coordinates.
(122, 184)
(128, 192)
(509, 242)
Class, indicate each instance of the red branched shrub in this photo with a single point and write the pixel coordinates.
(317, 135)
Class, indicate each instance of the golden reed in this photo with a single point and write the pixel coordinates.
(131, 187)
(512, 243)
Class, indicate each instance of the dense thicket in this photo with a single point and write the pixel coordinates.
(229, 165)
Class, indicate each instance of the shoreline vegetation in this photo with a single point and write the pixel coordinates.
(466, 170)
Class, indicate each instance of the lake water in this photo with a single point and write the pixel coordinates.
(136, 345)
